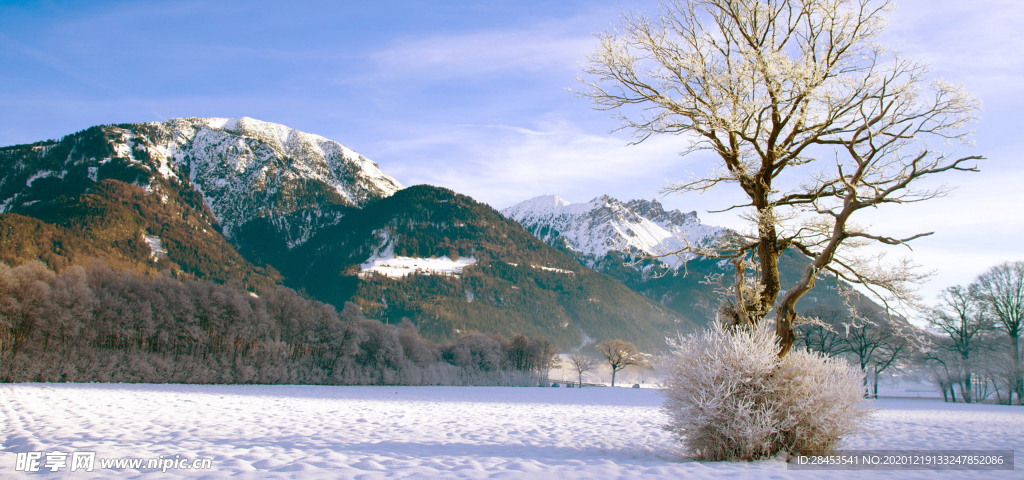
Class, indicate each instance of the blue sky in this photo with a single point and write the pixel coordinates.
(474, 96)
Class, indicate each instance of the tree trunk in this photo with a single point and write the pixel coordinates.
(875, 393)
(785, 319)
(1018, 378)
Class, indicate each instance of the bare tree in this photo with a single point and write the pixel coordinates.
(581, 364)
(619, 354)
(962, 317)
(894, 352)
(943, 365)
(997, 366)
(875, 345)
(769, 85)
(992, 367)
(1002, 288)
(546, 358)
(823, 331)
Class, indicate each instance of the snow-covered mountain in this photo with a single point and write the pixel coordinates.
(250, 201)
(604, 224)
(245, 169)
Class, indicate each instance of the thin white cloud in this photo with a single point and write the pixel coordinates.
(502, 165)
(553, 45)
(977, 43)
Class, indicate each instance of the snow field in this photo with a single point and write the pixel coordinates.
(432, 432)
(401, 267)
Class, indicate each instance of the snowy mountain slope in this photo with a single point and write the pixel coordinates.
(245, 169)
(604, 224)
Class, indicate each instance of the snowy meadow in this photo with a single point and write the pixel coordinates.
(431, 432)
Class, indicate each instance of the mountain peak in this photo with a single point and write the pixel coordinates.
(245, 170)
(605, 224)
(269, 132)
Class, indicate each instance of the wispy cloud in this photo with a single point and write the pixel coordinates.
(977, 43)
(551, 46)
(502, 165)
(484, 53)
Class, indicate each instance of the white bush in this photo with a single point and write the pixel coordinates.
(729, 397)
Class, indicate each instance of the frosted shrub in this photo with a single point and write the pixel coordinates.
(729, 397)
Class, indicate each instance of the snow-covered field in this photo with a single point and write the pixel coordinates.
(431, 432)
(387, 263)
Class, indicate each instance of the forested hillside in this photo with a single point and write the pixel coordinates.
(120, 209)
(516, 284)
(98, 324)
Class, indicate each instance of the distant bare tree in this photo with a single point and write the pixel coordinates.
(961, 316)
(581, 364)
(875, 345)
(993, 369)
(772, 86)
(1002, 288)
(823, 331)
(943, 365)
(619, 354)
(546, 358)
(998, 366)
(532, 355)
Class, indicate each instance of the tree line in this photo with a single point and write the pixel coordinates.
(977, 329)
(97, 324)
(970, 350)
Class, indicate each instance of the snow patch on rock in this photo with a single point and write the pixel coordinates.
(401, 267)
(156, 248)
(386, 263)
(551, 269)
(38, 175)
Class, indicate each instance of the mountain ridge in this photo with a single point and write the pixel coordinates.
(642, 228)
(262, 204)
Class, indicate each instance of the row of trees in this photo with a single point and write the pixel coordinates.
(97, 324)
(618, 354)
(978, 328)
(971, 350)
(867, 340)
